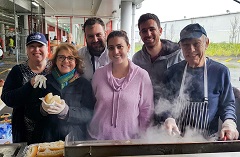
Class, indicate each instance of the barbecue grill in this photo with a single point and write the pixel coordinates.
(136, 148)
(141, 148)
(12, 150)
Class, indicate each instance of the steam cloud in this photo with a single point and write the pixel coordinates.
(158, 134)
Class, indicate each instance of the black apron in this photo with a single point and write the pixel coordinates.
(193, 115)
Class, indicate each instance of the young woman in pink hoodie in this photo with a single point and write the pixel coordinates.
(124, 95)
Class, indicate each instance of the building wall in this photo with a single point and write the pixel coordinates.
(219, 28)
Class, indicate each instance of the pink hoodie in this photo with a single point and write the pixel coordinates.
(124, 106)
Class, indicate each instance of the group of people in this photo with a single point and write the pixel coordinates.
(106, 96)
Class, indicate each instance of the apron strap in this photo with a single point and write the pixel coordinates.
(205, 82)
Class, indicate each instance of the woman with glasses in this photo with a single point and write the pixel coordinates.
(124, 95)
(77, 100)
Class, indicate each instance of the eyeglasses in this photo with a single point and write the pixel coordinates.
(62, 58)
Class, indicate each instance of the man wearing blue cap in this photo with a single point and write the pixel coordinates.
(19, 85)
(199, 90)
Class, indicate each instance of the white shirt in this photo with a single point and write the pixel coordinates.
(99, 61)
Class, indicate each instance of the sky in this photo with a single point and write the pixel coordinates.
(168, 10)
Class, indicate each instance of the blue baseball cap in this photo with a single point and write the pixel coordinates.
(36, 37)
(192, 31)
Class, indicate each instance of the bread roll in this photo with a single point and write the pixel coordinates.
(49, 153)
(49, 98)
(51, 145)
(32, 152)
(57, 99)
(47, 149)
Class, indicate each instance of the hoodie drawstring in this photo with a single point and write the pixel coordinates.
(115, 108)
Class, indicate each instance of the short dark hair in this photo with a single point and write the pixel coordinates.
(93, 20)
(143, 18)
(120, 33)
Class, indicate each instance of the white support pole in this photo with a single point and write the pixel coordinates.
(2, 30)
(133, 31)
(126, 19)
(26, 32)
(114, 24)
(16, 33)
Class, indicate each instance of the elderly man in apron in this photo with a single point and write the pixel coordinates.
(199, 90)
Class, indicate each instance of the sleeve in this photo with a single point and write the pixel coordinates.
(134, 58)
(227, 99)
(146, 105)
(61, 115)
(33, 107)
(84, 113)
(81, 52)
(14, 92)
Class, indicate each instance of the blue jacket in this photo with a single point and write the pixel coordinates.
(220, 94)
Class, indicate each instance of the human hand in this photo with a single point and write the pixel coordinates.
(39, 80)
(229, 129)
(56, 108)
(171, 127)
(45, 106)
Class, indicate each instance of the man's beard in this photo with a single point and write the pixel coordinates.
(96, 51)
